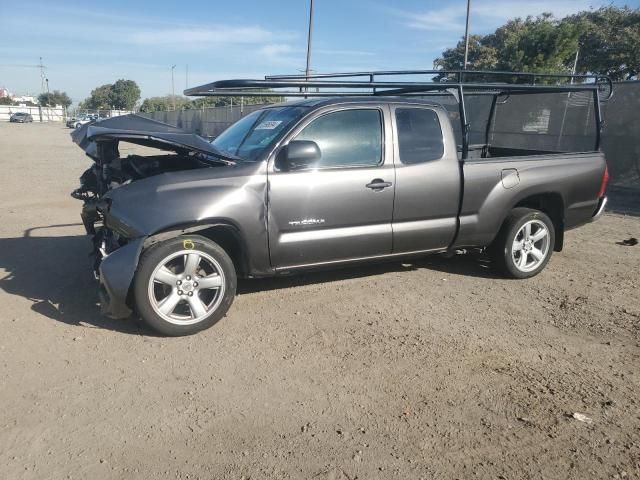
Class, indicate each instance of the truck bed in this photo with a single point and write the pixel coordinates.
(495, 185)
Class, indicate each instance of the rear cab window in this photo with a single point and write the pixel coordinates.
(420, 137)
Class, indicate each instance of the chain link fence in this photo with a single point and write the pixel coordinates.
(98, 114)
(207, 122)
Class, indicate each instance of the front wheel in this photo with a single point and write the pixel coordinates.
(184, 285)
(524, 245)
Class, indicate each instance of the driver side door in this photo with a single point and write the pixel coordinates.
(340, 208)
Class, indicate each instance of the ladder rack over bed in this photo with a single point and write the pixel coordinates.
(457, 83)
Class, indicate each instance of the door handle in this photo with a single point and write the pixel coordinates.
(378, 184)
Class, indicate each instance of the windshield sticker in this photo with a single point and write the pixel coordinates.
(270, 125)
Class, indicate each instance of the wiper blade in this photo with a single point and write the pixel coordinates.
(213, 158)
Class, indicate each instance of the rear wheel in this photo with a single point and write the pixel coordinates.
(524, 245)
(184, 285)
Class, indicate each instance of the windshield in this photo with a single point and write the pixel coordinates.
(251, 135)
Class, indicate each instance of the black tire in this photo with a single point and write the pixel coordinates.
(157, 255)
(503, 254)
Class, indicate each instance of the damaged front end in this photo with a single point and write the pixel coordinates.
(114, 255)
(116, 244)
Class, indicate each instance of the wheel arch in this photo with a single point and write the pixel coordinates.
(552, 204)
(223, 232)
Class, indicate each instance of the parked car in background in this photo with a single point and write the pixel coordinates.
(77, 122)
(21, 117)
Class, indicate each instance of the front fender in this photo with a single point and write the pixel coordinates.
(116, 273)
(235, 196)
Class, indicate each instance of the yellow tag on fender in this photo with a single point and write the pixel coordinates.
(188, 244)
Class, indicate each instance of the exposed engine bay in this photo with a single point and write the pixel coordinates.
(100, 141)
(107, 175)
(110, 174)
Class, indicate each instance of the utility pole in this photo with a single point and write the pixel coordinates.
(42, 75)
(186, 80)
(466, 36)
(39, 66)
(575, 63)
(309, 36)
(173, 87)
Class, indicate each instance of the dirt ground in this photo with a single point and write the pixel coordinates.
(435, 369)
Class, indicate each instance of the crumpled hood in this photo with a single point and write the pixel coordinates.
(142, 131)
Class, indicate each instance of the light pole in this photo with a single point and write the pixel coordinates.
(173, 89)
(466, 36)
(566, 103)
(310, 34)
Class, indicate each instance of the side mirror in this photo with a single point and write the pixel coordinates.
(298, 154)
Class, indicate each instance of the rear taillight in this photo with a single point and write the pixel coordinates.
(605, 181)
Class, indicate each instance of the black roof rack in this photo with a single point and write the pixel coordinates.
(422, 83)
(473, 82)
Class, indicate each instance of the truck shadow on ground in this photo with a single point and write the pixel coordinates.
(472, 265)
(55, 273)
(624, 200)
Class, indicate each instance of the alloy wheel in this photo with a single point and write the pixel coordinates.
(530, 246)
(186, 287)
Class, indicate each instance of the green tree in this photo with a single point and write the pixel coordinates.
(100, 98)
(166, 102)
(609, 41)
(227, 101)
(606, 38)
(482, 56)
(540, 43)
(122, 95)
(54, 98)
(536, 44)
(125, 94)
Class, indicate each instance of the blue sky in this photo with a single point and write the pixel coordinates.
(86, 43)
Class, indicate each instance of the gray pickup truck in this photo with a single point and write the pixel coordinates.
(308, 184)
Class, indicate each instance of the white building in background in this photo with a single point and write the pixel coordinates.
(25, 98)
(5, 93)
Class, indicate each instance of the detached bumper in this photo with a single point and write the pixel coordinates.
(115, 275)
(602, 203)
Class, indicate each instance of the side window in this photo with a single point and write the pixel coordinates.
(348, 138)
(419, 135)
